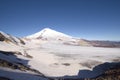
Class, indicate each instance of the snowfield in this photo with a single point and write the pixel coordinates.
(56, 59)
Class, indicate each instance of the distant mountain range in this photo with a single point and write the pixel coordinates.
(48, 34)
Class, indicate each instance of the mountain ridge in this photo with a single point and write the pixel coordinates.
(10, 39)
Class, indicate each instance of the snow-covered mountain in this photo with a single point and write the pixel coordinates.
(49, 34)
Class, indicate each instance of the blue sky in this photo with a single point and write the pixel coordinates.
(89, 19)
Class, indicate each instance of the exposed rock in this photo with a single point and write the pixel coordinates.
(66, 64)
(21, 41)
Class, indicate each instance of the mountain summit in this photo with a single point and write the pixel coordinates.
(49, 34)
